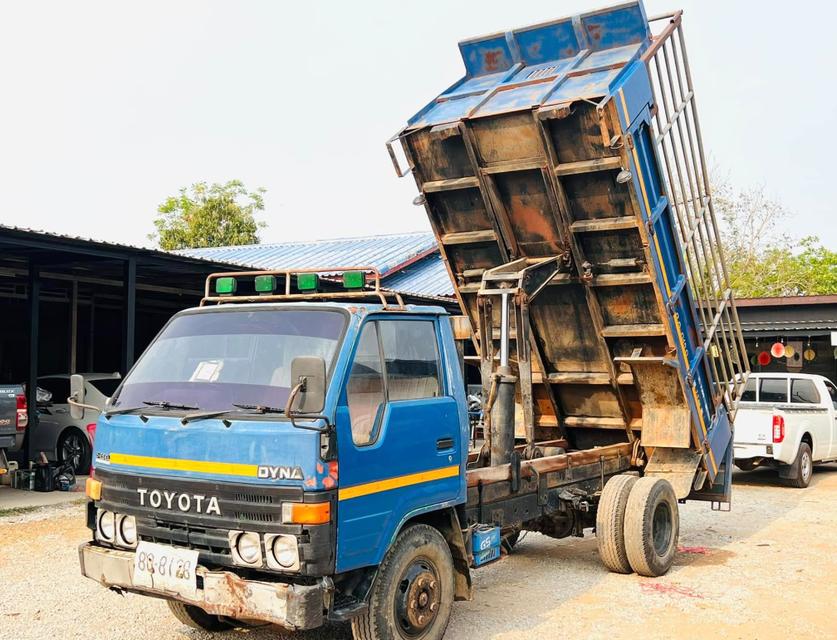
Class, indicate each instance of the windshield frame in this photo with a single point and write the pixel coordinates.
(232, 308)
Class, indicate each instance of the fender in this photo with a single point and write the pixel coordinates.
(445, 518)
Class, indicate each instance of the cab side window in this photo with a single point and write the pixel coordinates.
(365, 391)
(773, 390)
(803, 391)
(749, 393)
(411, 354)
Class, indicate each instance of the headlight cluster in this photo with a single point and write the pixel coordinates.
(281, 552)
(117, 529)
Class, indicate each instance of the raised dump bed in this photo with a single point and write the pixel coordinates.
(566, 170)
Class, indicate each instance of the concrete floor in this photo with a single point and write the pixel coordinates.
(19, 499)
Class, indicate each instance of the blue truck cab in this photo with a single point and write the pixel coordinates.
(198, 453)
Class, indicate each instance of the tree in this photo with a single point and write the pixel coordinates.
(214, 215)
(762, 259)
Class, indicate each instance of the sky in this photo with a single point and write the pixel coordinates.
(110, 107)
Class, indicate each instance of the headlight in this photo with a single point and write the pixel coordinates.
(127, 531)
(246, 547)
(283, 553)
(105, 525)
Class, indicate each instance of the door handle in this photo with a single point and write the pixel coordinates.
(444, 443)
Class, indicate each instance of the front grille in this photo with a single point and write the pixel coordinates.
(258, 507)
(212, 544)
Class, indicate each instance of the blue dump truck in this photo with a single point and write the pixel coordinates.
(296, 449)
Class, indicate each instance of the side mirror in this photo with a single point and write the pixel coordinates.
(76, 399)
(308, 375)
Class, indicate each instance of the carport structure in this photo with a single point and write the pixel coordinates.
(71, 304)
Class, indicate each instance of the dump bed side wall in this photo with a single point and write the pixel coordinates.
(540, 158)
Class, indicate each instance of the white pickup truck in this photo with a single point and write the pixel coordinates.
(788, 421)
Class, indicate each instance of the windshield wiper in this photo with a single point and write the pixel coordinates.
(165, 404)
(122, 411)
(259, 408)
(240, 408)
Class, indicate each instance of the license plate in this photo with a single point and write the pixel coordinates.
(165, 568)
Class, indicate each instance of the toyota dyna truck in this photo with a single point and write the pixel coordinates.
(296, 452)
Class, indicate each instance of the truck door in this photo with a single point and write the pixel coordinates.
(831, 399)
(399, 437)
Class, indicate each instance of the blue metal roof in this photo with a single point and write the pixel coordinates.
(427, 277)
(385, 252)
(408, 262)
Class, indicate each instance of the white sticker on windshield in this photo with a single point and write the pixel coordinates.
(207, 371)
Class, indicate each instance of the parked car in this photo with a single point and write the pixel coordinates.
(13, 419)
(58, 435)
(787, 421)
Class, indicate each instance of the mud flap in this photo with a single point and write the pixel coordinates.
(719, 490)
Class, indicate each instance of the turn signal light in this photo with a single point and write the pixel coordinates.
(301, 513)
(778, 429)
(93, 489)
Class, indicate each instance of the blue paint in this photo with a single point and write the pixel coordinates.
(609, 37)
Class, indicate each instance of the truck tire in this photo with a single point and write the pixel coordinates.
(196, 617)
(747, 465)
(413, 592)
(652, 526)
(803, 467)
(610, 523)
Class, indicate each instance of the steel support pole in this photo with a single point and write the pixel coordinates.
(129, 289)
(34, 320)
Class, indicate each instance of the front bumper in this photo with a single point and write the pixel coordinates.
(221, 593)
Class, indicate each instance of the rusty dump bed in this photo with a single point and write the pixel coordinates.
(566, 168)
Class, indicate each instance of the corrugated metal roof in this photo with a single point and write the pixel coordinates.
(388, 253)
(427, 276)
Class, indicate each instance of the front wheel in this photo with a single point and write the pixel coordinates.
(413, 593)
(197, 618)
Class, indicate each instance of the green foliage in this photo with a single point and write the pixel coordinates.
(214, 215)
(762, 258)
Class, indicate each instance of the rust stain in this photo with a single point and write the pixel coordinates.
(491, 60)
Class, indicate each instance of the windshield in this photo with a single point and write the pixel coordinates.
(213, 360)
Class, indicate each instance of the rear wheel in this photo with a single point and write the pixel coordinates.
(610, 523)
(413, 593)
(197, 618)
(74, 447)
(652, 526)
(803, 467)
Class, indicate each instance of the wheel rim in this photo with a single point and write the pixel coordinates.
(661, 531)
(417, 598)
(806, 466)
(73, 450)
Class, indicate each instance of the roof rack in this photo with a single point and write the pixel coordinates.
(376, 291)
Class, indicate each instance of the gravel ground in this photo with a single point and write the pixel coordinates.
(765, 570)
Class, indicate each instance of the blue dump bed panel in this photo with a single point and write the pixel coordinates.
(579, 138)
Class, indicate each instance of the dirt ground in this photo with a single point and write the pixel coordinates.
(767, 569)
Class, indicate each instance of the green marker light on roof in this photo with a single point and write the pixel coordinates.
(265, 284)
(225, 286)
(354, 279)
(307, 281)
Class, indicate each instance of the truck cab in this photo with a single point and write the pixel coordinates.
(278, 448)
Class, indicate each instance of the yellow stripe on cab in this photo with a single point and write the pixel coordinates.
(396, 483)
